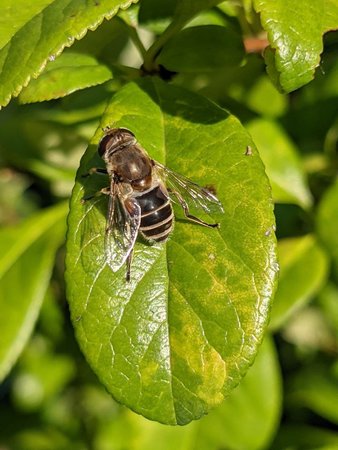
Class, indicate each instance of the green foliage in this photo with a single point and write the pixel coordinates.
(43, 36)
(177, 341)
(68, 73)
(295, 31)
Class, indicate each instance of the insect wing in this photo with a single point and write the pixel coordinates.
(123, 223)
(194, 194)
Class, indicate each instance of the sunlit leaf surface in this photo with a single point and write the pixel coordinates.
(44, 35)
(68, 73)
(175, 340)
(295, 31)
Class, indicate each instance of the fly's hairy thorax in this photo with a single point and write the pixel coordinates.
(131, 165)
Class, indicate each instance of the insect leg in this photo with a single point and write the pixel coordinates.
(105, 191)
(187, 214)
(128, 262)
(95, 170)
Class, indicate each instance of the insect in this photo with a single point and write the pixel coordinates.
(141, 192)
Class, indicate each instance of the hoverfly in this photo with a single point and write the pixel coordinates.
(140, 194)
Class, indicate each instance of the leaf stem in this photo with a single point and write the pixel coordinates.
(149, 64)
(137, 41)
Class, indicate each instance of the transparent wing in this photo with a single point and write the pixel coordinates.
(123, 223)
(195, 195)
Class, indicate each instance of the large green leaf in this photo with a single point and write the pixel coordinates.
(303, 270)
(327, 219)
(70, 72)
(295, 31)
(282, 162)
(27, 255)
(174, 341)
(43, 36)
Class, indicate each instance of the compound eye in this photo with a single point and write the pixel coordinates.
(104, 144)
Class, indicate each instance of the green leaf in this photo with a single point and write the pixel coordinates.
(295, 32)
(303, 270)
(283, 165)
(70, 72)
(44, 36)
(15, 14)
(27, 255)
(172, 342)
(107, 42)
(327, 219)
(257, 401)
(202, 48)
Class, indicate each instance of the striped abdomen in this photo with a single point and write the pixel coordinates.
(156, 214)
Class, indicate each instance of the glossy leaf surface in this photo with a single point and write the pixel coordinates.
(68, 73)
(175, 340)
(43, 36)
(26, 262)
(295, 31)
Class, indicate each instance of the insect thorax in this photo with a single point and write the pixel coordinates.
(131, 165)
